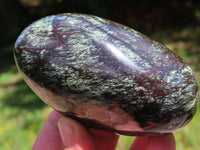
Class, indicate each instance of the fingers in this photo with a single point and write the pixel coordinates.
(75, 136)
(60, 132)
(105, 140)
(49, 136)
(164, 142)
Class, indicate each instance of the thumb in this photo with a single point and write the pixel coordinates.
(75, 136)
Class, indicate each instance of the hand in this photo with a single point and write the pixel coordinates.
(61, 133)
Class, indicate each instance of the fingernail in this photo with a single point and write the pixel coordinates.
(66, 132)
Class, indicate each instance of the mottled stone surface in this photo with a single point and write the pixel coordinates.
(106, 75)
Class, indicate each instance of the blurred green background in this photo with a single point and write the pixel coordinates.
(176, 23)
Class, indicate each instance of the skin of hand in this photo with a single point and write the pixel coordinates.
(62, 133)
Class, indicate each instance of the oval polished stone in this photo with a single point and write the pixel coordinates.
(106, 75)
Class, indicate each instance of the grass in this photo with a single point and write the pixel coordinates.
(23, 113)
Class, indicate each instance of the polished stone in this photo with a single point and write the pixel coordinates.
(106, 75)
